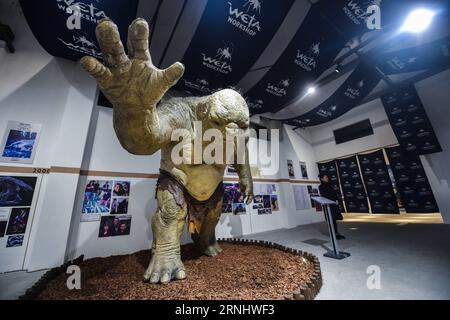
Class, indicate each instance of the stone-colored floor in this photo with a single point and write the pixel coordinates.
(413, 259)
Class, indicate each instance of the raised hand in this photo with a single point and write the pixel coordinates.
(130, 82)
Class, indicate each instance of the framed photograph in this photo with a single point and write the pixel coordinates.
(119, 206)
(274, 203)
(290, 167)
(20, 142)
(121, 189)
(231, 171)
(303, 170)
(97, 197)
(16, 191)
(18, 221)
(113, 226)
(15, 241)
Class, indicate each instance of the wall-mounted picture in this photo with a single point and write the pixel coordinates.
(112, 226)
(239, 208)
(14, 241)
(233, 199)
(3, 228)
(274, 203)
(290, 167)
(231, 171)
(304, 170)
(16, 191)
(119, 206)
(97, 197)
(266, 201)
(18, 221)
(264, 211)
(20, 142)
(121, 189)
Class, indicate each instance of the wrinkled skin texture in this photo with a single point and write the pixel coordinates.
(144, 124)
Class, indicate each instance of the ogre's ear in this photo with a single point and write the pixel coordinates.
(203, 109)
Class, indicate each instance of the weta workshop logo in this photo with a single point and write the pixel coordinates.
(244, 18)
(88, 12)
(354, 92)
(279, 90)
(221, 62)
(307, 61)
(256, 105)
(326, 113)
(80, 43)
(201, 85)
(359, 12)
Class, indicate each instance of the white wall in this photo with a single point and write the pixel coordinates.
(325, 146)
(435, 95)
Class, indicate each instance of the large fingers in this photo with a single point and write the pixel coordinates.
(172, 74)
(112, 48)
(138, 34)
(97, 70)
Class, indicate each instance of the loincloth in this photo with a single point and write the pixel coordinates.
(196, 210)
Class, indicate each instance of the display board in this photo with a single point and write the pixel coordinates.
(233, 199)
(330, 169)
(20, 142)
(378, 183)
(229, 39)
(410, 122)
(302, 197)
(411, 180)
(18, 196)
(352, 185)
(265, 199)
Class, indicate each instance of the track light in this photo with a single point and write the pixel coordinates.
(311, 90)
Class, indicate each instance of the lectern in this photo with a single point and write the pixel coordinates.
(326, 203)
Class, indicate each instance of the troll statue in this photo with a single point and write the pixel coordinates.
(144, 122)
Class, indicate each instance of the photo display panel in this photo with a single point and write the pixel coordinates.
(352, 186)
(378, 183)
(411, 180)
(410, 122)
(329, 168)
(229, 39)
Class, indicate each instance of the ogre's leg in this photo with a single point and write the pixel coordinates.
(205, 240)
(167, 226)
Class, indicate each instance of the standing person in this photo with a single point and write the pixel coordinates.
(326, 190)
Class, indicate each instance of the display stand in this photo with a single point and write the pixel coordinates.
(336, 253)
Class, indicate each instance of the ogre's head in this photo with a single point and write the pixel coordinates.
(225, 110)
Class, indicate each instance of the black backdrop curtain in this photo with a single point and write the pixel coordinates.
(410, 122)
(412, 182)
(352, 185)
(378, 183)
(329, 168)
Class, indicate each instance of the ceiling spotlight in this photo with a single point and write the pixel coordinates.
(418, 21)
(338, 68)
(311, 90)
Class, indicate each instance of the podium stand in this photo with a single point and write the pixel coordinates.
(336, 253)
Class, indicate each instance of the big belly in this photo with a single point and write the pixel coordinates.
(202, 180)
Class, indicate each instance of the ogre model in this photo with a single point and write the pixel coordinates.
(144, 124)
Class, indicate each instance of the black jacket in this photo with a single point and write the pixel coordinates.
(326, 190)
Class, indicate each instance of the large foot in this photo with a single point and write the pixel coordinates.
(164, 268)
(213, 250)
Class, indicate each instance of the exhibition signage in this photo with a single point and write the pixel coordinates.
(378, 183)
(70, 31)
(412, 182)
(410, 122)
(352, 185)
(229, 39)
(357, 86)
(329, 168)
